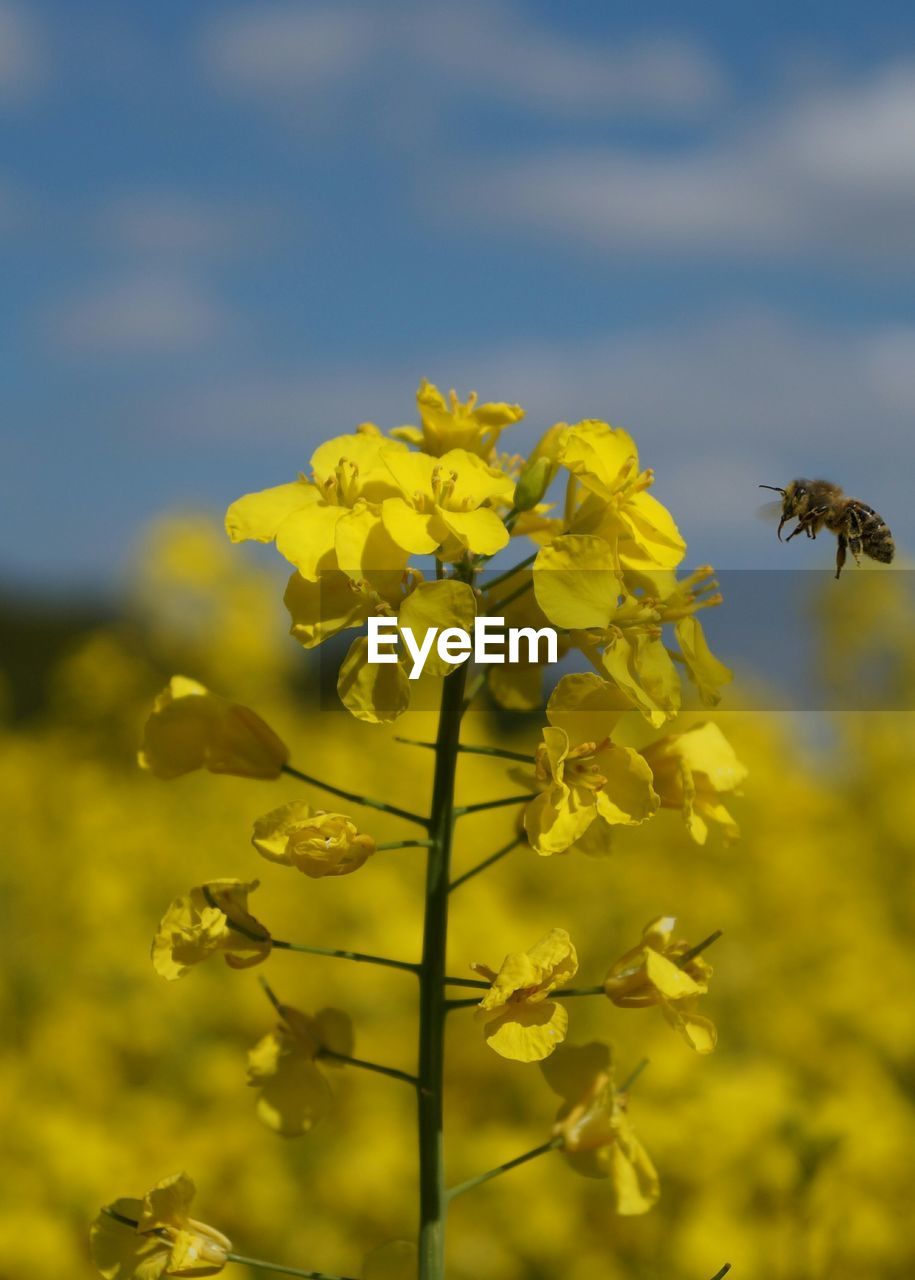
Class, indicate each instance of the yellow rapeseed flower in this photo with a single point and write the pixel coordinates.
(598, 1140)
(134, 1239)
(294, 1093)
(456, 425)
(326, 522)
(691, 770)
(312, 840)
(520, 1022)
(617, 617)
(589, 783)
(379, 692)
(191, 728)
(213, 918)
(664, 973)
(613, 501)
(442, 504)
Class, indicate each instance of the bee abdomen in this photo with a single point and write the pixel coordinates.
(876, 539)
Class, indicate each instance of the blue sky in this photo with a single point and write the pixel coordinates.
(230, 230)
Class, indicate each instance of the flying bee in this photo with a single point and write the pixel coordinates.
(819, 504)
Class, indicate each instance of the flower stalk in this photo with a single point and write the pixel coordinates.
(504, 1168)
(355, 798)
(432, 1004)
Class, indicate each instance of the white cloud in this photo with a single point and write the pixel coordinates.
(22, 58)
(486, 50)
(287, 50)
(173, 224)
(832, 172)
(143, 314)
(501, 51)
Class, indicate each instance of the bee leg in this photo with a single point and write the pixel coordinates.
(840, 554)
(800, 528)
(854, 546)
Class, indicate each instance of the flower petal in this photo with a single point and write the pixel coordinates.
(258, 516)
(438, 604)
(528, 1032)
(409, 528)
(376, 692)
(576, 582)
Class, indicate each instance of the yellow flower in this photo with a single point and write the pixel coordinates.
(678, 602)
(520, 1022)
(212, 918)
(668, 974)
(442, 504)
(135, 1239)
(617, 617)
(578, 587)
(691, 770)
(590, 784)
(453, 425)
(312, 840)
(615, 506)
(190, 728)
(294, 1094)
(379, 692)
(598, 1140)
(331, 521)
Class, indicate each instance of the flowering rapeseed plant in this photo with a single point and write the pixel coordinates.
(593, 1127)
(404, 526)
(191, 728)
(312, 841)
(668, 974)
(144, 1239)
(293, 1091)
(213, 918)
(520, 1021)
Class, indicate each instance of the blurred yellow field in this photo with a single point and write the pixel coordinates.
(786, 1152)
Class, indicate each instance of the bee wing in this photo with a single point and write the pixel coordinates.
(770, 511)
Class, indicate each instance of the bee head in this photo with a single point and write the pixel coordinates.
(794, 500)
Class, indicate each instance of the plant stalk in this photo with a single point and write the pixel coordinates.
(432, 1004)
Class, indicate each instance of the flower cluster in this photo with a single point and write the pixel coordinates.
(604, 574)
(405, 525)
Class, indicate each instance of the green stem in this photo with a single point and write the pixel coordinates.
(723, 1272)
(467, 750)
(432, 1004)
(234, 1257)
(279, 944)
(496, 608)
(355, 798)
(468, 982)
(504, 1168)
(464, 809)
(697, 949)
(580, 991)
(632, 1076)
(403, 844)
(324, 1052)
(473, 688)
(280, 1270)
(510, 573)
(500, 752)
(340, 954)
(487, 862)
(393, 1072)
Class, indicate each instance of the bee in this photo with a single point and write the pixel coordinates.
(818, 504)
